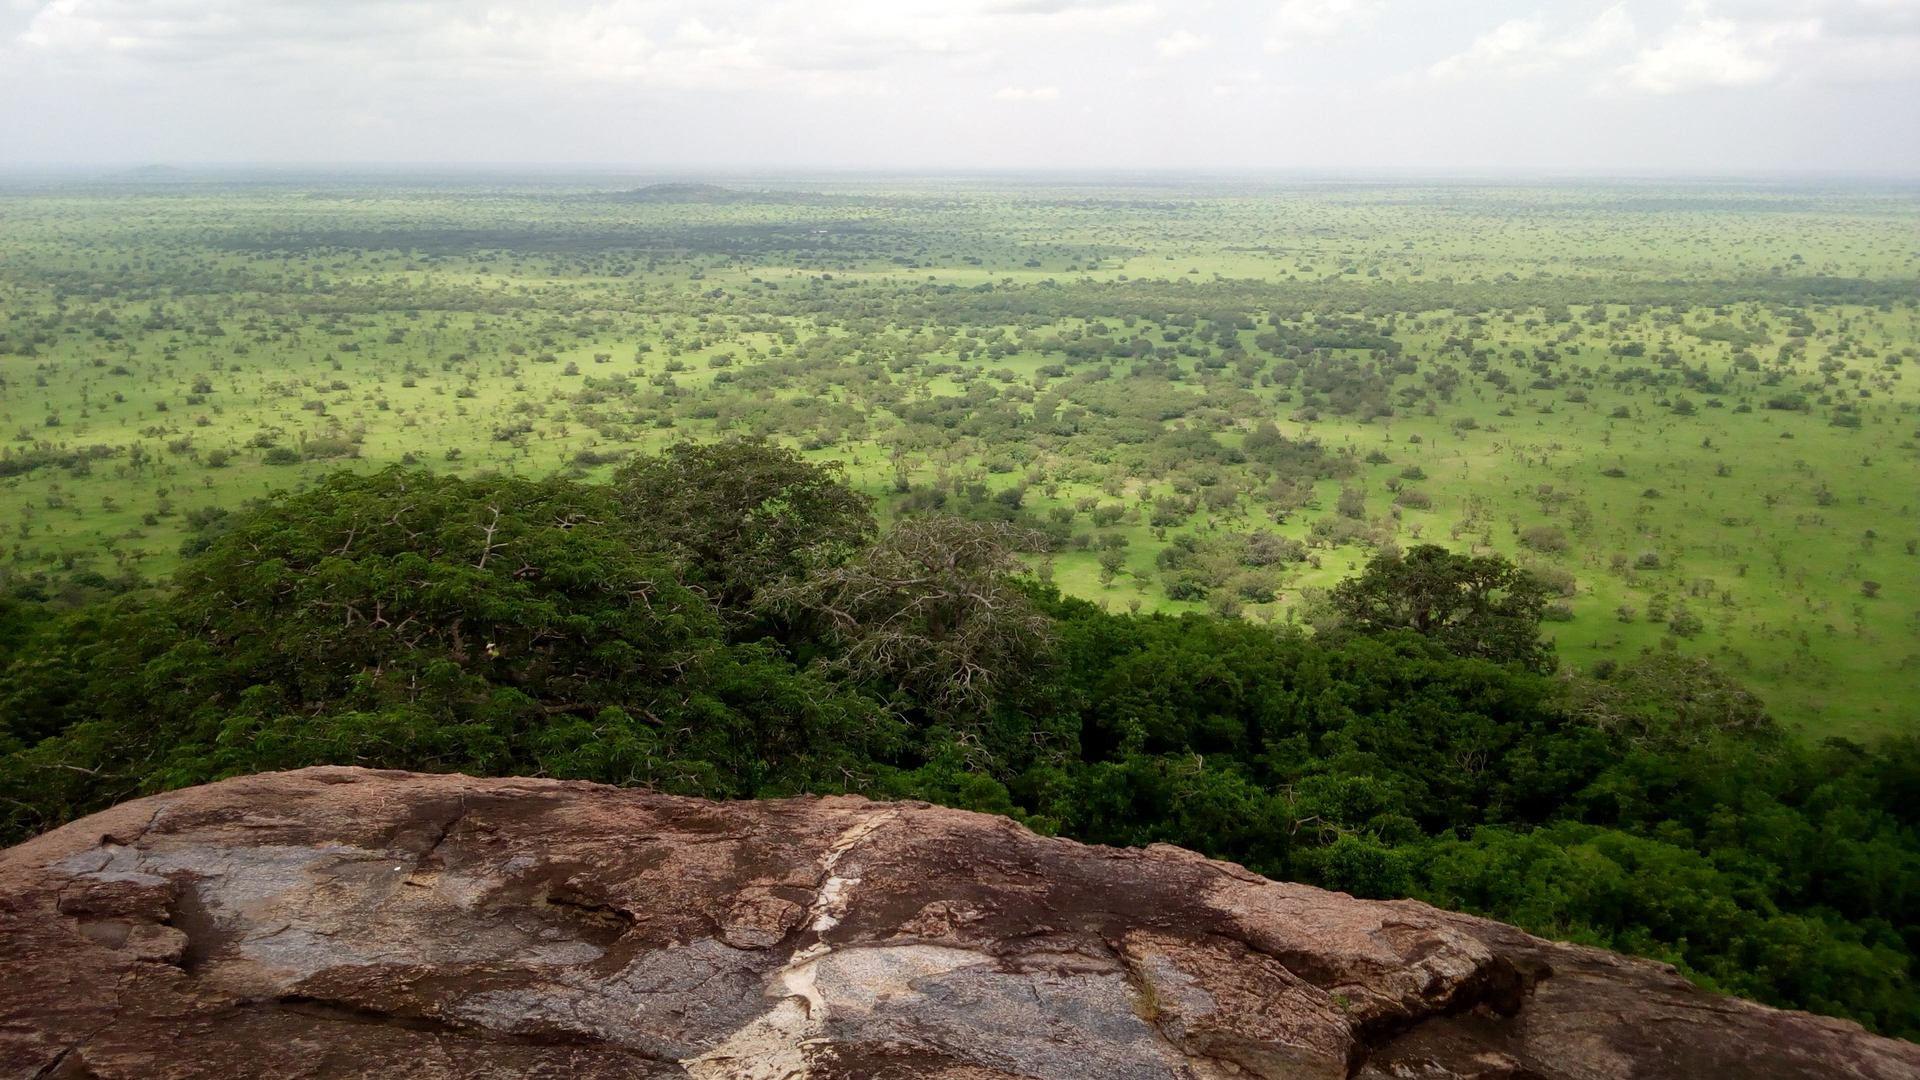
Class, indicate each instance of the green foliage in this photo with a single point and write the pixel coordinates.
(1696, 834)
(409, 621)
(511, 626)
(744, 514)
(1475, 605)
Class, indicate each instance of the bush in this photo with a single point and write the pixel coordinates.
(1682, 622)
(1548, 539)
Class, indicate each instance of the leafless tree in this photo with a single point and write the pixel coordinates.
(931, 608)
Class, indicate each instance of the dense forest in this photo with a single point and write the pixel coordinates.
(733, 619)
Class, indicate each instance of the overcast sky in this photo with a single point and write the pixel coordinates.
(1714, 86)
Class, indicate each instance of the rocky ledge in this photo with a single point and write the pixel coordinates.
(336, 922)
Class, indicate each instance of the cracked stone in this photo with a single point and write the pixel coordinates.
(345, 922)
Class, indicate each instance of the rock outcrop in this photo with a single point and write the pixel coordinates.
(335, 922)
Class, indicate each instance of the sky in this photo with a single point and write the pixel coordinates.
(1715, 87)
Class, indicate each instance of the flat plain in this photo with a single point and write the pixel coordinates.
(1686, 405)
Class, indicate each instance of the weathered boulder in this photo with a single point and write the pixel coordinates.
(334, 922)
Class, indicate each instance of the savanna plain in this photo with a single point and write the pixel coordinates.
(1686, 407)
(1203, 419)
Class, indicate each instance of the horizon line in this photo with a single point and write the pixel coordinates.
(798, 171)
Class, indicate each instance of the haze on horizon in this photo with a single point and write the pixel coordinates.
(1720, 86)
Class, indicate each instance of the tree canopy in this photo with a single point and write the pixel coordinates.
(744, 514)
(552, 627)
(1475, 605)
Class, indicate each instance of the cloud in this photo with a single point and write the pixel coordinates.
(181, 29)
(1867, 59)
(950, 81)
(1235, 83)
(1709, 51)
(849, 46)
(1513, 43)
(1181, 43)
(1710, 43)
(1296, 22)
(1527, 46)
(1743, 43)
(1096, 15)
(1729, 44)
(667, 44)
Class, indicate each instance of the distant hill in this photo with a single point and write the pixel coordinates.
(687, 192)
(151, 174)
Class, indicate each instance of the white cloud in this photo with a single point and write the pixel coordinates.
(1737, 43)
(1527, 47)
(621, 41)
(1726, 44)
(1864, 60)
(742, 45)
(916, 81)
(163, 29)
(1181, 43)
(1516, 40)
(1303, 21)
(1235, 83)
(1096, 15)
(1610, 28)
(1709, 51)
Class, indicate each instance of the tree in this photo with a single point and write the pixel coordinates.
(1672, 702)
(1549, 539)
(1684, 623)
(1352, 503)
(745, 514)
(405, 620)
(1475, 605)
(931, 608)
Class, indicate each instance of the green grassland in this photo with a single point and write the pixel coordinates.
(1692, 407)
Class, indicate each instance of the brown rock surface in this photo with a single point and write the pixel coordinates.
(335, 922)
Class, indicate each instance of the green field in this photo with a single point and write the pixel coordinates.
(1684, 404)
